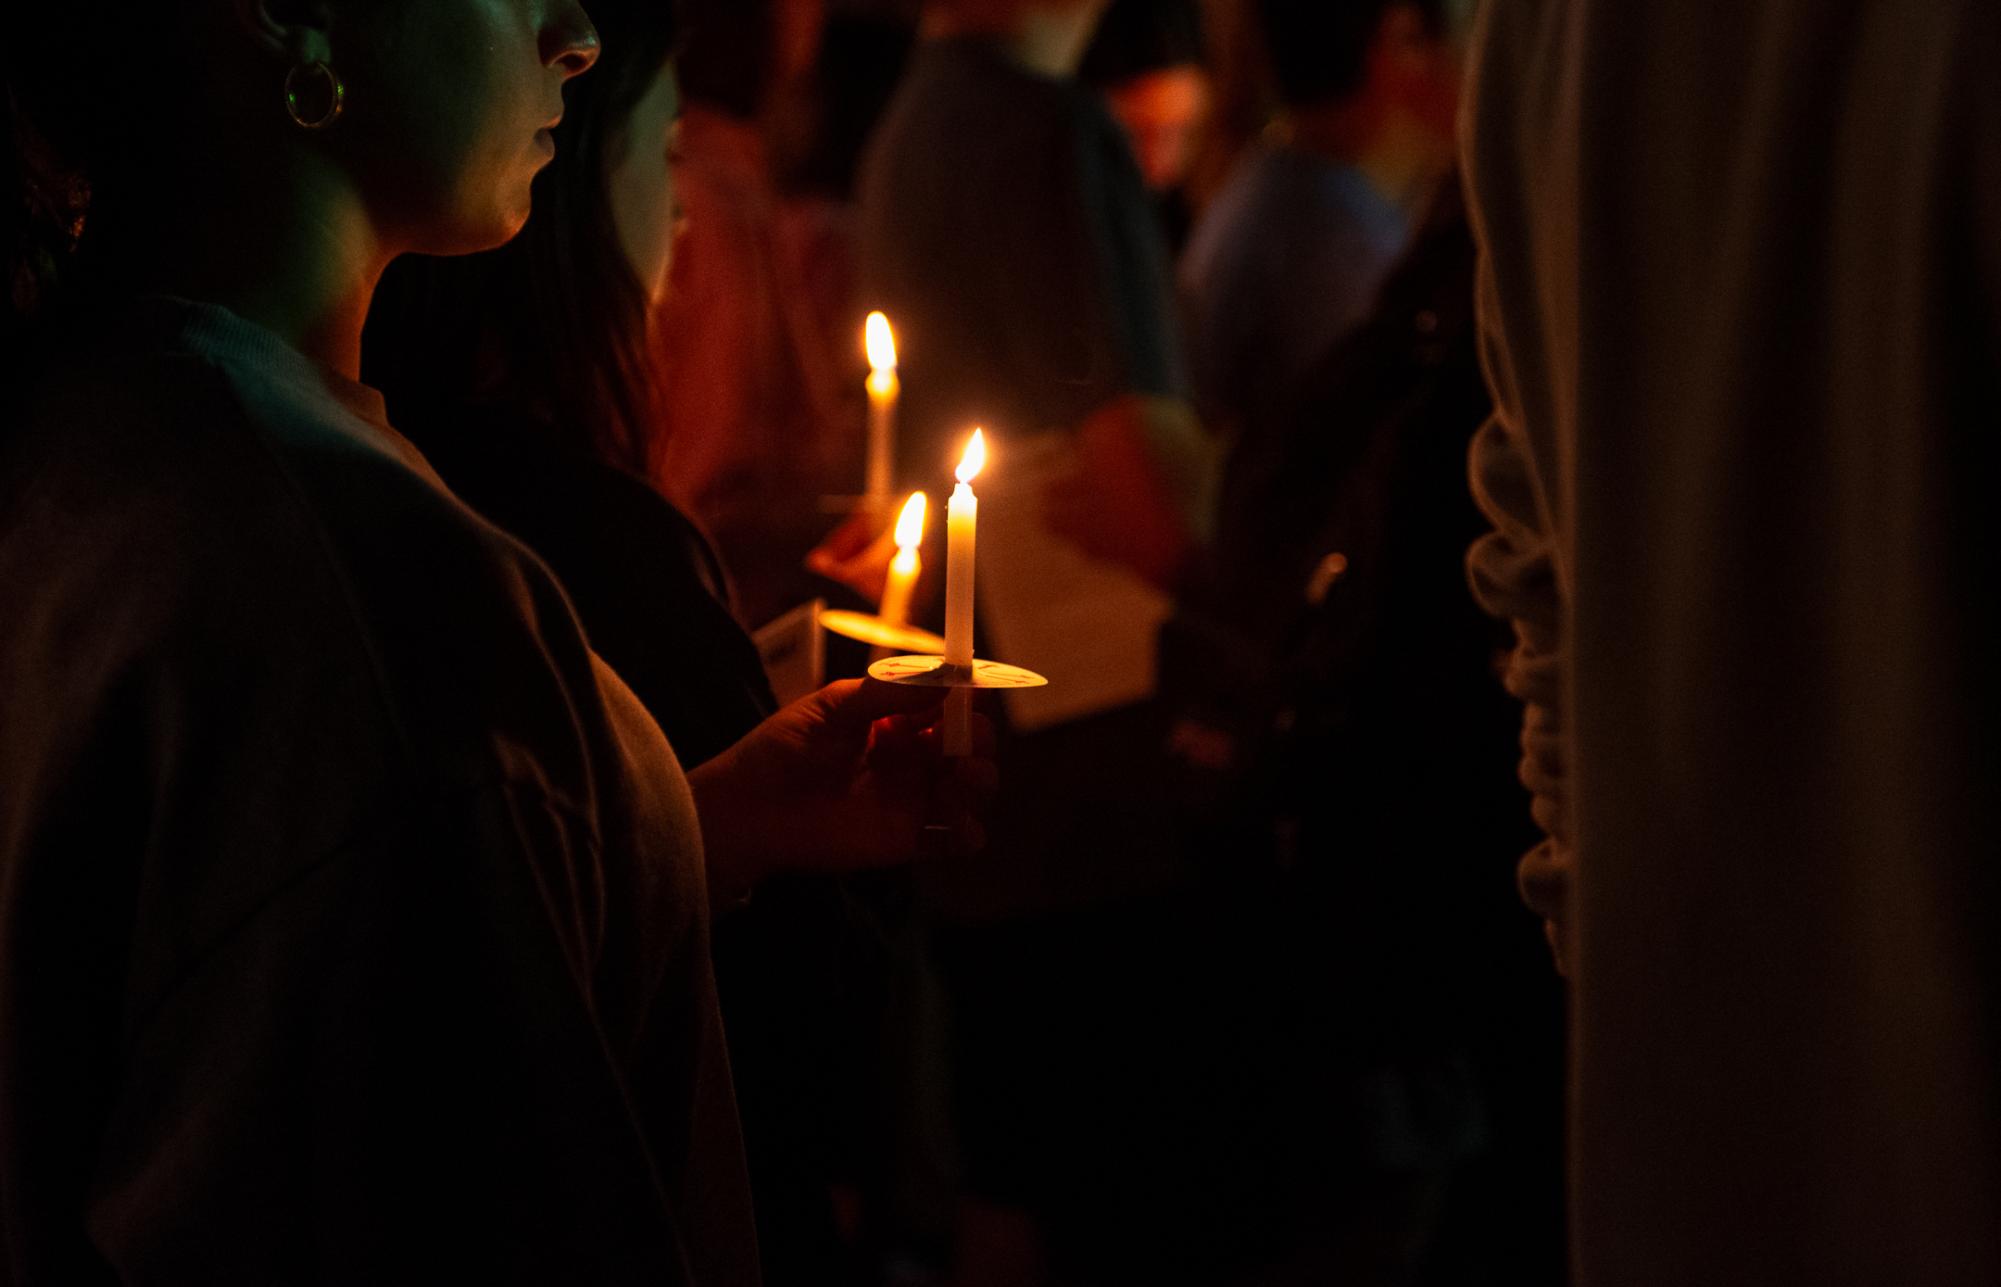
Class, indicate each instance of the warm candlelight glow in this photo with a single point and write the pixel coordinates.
(975, 458)
(962, 516)
(902, 579)
(880, 463)
(881, 343)
(910, 523)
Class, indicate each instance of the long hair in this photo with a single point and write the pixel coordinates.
(66, 125)
(555, 320)
(40, 223)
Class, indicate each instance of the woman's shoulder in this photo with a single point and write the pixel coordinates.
(477, 645)
(272, 519)
(136, 475)
(646, 587)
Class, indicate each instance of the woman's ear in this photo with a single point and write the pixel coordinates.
(291, 31)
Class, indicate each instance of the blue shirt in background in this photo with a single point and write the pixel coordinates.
(1283, 265)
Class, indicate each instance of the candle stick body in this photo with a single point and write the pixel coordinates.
(882, 392)
(958, 734)
(961, 519)
(896, 591)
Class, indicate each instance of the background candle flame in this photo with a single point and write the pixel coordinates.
(910, 523)
(881, 343)
(975, 458)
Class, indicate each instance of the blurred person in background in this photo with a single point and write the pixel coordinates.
(760, 369)
(1148, 60)
(1347, 765)
(1289, 254)
(1343, 766)
(822, 127)
(1288, 260)
(1240, 95)
(1007, 230)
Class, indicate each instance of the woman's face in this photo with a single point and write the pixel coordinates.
(450, 104)
(640, 182)
(1163, 112)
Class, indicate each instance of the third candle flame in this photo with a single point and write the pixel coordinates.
(881, 343)
(910, 523)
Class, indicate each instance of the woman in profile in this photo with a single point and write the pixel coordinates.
(525, 376)
(353, 914)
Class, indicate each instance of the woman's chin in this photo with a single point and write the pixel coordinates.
(474, 232)
(509, 227)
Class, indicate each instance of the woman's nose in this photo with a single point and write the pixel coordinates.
(569, 41)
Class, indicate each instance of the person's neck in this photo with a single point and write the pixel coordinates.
(304, 267)
(1049, 42)
(1388, 145)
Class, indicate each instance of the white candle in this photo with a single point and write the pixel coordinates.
(903, 569)
(961, 523)
(962, 518)
(882, 392)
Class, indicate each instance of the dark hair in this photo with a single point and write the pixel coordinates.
(41, 222)
(1319, 49)
(555, 320)
(1141, 36)
(68, 125)
(726, 59)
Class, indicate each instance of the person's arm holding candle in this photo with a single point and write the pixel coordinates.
(846, 779)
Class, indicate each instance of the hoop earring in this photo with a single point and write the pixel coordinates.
(336, 95)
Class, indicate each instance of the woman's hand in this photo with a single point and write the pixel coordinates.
(846, 779)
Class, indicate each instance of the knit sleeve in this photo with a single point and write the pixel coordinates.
(1513, 573)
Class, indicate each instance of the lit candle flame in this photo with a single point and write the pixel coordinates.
(881, 344)
(910, 523)
(975, 458)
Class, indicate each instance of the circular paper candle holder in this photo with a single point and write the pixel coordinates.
(933, 672)
(878, 633)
